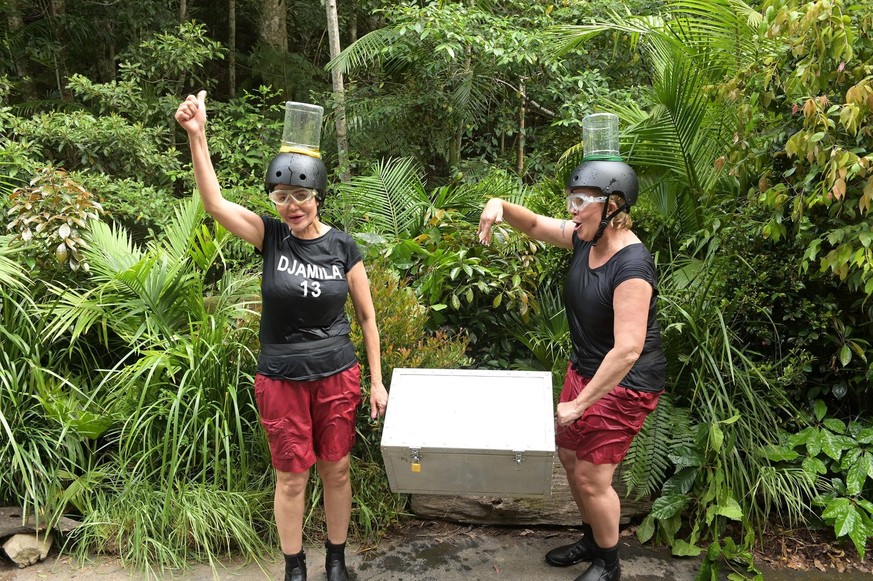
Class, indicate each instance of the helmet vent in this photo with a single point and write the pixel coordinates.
(278, 174)
(303, 176)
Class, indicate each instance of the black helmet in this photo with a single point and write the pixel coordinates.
(610, 177)
(296, 169)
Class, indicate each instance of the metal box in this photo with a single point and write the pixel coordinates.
(469, 432)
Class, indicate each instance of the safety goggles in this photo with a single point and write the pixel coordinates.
(576, 202)
(298, 196)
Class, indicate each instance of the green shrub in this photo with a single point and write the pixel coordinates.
(406, 342)
(51, 216)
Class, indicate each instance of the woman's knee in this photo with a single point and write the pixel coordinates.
(334, 474)
(291, 484)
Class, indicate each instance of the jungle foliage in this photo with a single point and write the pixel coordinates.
(129, 319)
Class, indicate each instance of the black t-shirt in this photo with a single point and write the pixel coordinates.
(304, 329)
(588, 299)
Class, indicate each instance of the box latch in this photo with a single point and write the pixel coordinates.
(415, 459)
(518, 457)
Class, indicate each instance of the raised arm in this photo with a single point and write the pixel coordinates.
(550, 230)
(238, 220)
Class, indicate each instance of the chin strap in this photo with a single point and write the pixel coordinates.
(605, 220)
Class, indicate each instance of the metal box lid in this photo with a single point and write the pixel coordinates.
(468, 409)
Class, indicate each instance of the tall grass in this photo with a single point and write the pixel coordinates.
(48, 421)
(185, 475)
(159, 531)
(725, 383)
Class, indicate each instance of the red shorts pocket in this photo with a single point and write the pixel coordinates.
(280, 437)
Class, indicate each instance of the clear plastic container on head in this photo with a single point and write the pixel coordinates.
(600, 137)
(302, 130)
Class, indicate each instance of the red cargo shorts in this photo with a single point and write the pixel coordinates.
(305, 420)
(605, 431)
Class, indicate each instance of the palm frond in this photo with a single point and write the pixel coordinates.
(468, 197)
(677, 141)
(546, 330)
(364, 114)
(392, 198)
(12, 275)
(720, 33)
(470, 96)
(110, 250)
(563, 39)
(367, 49)
(176, 237)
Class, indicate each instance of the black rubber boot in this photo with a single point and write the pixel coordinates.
(582, 550)
(335, 562)
(295, 567)
(604, 567)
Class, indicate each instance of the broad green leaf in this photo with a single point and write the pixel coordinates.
(801, 437)
(90, 425)
(682, 548)
(819, 409)
(813, 467)
(857, 475)
(646, 530)
(716, 437)
(814, 443)
(858, 534)
(843, 514)
(831, 445)
(681, 482)
(866, 505)
(730, 509)
(665, 507)
(731, 420)
(845, 355)
(685, 457)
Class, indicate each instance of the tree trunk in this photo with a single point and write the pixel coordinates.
(521, 126)
(338, 90)
(15, 24)
(107, 65)
(58, 13)
(274, 29)
(183, 11)
(231, 42)
(353, 23)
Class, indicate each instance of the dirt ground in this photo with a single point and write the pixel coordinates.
(809, 550)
